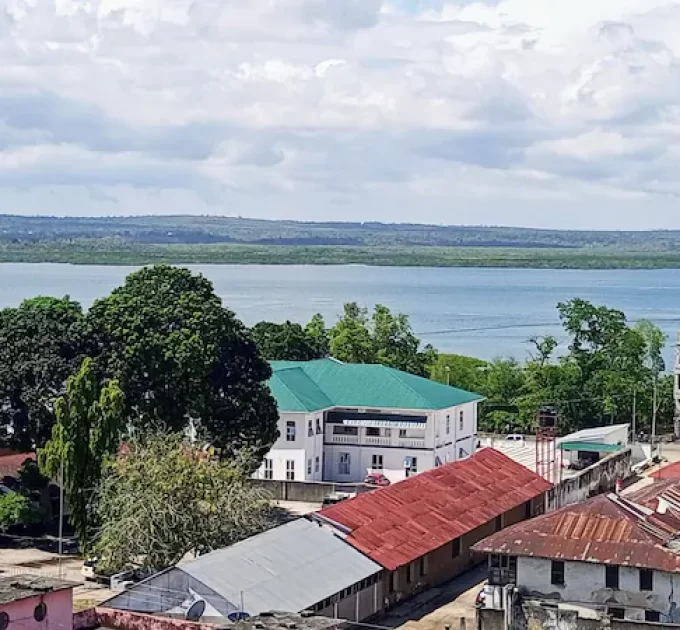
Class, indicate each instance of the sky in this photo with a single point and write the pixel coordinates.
(544, 113)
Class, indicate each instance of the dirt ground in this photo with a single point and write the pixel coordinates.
(37, 562)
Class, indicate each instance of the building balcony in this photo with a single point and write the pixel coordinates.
(412, 442)
(371, 440)
(343, 439)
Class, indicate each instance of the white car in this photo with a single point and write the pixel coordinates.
(515, 437)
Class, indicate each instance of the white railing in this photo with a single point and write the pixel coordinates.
(412, 442)
(371, 440)
(344, 439)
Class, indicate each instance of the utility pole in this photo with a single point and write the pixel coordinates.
(61, 510)
(634, 415)
(654, 405)
(447, 369)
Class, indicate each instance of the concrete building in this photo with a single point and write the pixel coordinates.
(338, 422)
(28, 602)
(299, 566)
(421, 530)
(607, 557)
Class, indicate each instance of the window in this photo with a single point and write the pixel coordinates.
(461, 453)
(372, 432)
(402, 433)
(498, 524)
(423, 566)
(448, 425)
(652, 615)
(528, 510)
(455, 548)
(310, 431)
(611, 577)
(318, 426)
(557, 573)
(269, 469)
(309, 466)
(377, 462)
(409, 573)
(646, 580)
(411, 466)
(461, 421)
(344, 464)
(341, 429)
(617, 613)
(290, 470)
(290, 431)
(316, 464)
(393, 582)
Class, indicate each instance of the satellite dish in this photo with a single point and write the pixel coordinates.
(195, 611)
(4, 620)
(238, 615)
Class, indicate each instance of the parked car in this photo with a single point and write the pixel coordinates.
(337, 497)
(515, 437)
(377, 479)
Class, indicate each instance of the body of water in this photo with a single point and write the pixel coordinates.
(478, 312)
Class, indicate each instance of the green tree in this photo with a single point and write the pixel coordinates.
(16, 509)
(460, 371)
(41, 345)
(317, 333)
(384, 338)
(182, 358)
(284, 342)
(162, 499)
(90, 420)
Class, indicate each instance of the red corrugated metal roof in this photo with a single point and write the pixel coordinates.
(11, 463)
(396, 525)
(672, 471)
(599, 530)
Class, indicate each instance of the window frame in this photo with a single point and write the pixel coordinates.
(647, 581)
(291, 430)
(317, 464)
(461, 421)
(456, 547)
(344, 464)
(290, 470)
(557, 572)
(376, 459)
(268, 468)
(612, 577)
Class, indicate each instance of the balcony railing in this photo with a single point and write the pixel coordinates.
(412, 442)
(343, 439)
(371, 440)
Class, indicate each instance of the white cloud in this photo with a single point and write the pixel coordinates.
(515, 112)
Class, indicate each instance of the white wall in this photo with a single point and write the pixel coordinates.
(585, 583)
(284, 451)
(461, 439)
(361, 458)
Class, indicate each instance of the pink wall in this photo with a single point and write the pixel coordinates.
(59, 612)
(128, 620)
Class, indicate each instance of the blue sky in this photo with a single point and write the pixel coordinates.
(517, 112)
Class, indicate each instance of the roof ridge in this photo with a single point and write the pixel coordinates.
(391, 371)
(292, 393)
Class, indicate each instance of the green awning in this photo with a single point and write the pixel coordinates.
(590, 447)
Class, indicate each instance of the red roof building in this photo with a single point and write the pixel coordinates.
(11, 463)
(672, 471)
(402, 523)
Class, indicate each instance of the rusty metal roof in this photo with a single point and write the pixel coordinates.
(605, 530)
(11, 463)
(672, 471)
(16, 587)
(398, 524)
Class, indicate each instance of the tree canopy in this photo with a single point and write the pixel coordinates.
(291, 342)
(90, 420)
(383, 338)
(41, 345)
(181, 358)
(161, 499)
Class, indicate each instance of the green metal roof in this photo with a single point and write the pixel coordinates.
(590, 447)
(314, 385)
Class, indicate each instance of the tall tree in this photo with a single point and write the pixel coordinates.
(285, 342)
(161, 499)
(383, 338)
(90, 418)
(317, 333)
(41, 345)
(182, 358)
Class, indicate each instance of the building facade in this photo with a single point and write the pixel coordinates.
(35, 603)
(610, 556)
(421, 530)
(339, 422)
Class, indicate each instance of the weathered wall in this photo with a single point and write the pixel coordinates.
(585, 582)
(307, 492)
(127, 620)
(59, 611)
(85, 619)
(539, 618)
(596, 479)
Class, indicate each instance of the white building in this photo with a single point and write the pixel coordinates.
(610, 555)
(338, 422)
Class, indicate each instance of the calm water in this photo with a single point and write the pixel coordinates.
(479, 312)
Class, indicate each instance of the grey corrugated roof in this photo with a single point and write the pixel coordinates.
(592, 435)
(288, 568)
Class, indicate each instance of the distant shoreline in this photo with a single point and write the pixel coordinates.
(116, 253)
